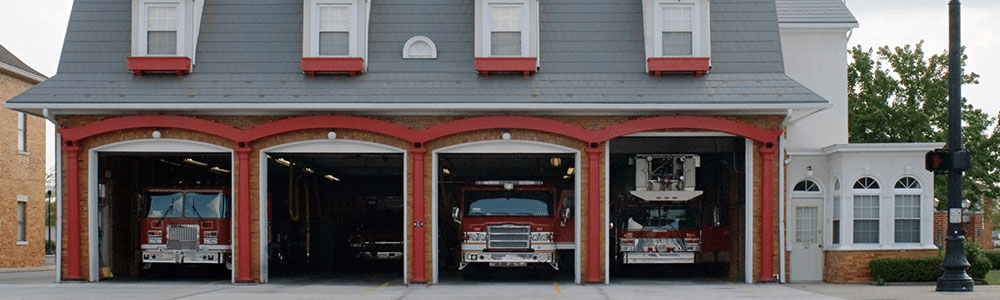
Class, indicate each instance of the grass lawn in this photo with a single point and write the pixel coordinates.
(993, 277)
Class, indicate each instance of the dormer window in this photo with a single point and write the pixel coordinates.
(335, 36)
(677, 36)
(164, 34)
(506, 36)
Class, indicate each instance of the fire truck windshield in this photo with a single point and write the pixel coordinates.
(205, 205)
(658, 217)
(165, 204)
(509, 203)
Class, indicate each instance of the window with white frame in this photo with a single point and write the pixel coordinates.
(866, 211)
(22, 207)
(806, 186)
(836, 211)
(677, 28)
(507, 28)
(22, 132)
(907, 210)
(334, 28)
(162, 30)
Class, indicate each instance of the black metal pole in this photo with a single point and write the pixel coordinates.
(954, 278)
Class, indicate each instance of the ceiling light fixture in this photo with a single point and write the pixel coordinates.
(570, 171)
(446, 171)
(310, 171)
(195, 162)
(217, 169)
(555, 162)
(283, 161)
(330, 177)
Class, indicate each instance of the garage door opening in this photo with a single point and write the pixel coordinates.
(163, 216)
(676, 207)
(506, 217)
(335, 216)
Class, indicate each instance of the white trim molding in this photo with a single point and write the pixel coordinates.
(420, 47)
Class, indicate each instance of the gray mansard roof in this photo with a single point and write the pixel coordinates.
(592, 60)
(814, 11)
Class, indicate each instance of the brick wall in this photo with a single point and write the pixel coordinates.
(852, 266)
(979, 228)
(417, 122)
(23, 174)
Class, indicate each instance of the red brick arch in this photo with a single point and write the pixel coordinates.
(244, 138)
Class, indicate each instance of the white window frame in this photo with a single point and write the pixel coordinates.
(22, 225)
(526, 33)
(313, 32)
(917, 191)
(22, 133)
(696, 23)
(836, 232)
(143, 28)
(867, 192)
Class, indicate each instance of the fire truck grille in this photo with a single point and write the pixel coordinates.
(182, 237)
(508, 237)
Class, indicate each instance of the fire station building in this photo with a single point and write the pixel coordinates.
(287, 135)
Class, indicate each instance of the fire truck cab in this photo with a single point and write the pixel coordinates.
(185, 226)
(511, 223)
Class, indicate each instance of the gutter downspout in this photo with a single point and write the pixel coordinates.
(59, 194)
(781, 197)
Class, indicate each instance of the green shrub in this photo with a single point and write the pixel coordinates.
(906, 269)
(979, 265)
(994, 257)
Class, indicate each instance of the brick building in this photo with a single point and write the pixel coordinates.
(22, 184)
(363, 103)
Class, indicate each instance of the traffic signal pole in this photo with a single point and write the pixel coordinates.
(954, 278)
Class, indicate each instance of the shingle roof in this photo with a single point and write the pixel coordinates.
(592, 53)
(814, 11)
(8, 58)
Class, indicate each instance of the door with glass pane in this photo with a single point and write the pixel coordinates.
(805, 240)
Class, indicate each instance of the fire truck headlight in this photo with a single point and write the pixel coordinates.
(540, 237)
(661, 247)
(154, 237)
(543, 257)
(155, 240)
(211, 241)
(476, 236)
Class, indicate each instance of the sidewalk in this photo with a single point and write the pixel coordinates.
(893, 292)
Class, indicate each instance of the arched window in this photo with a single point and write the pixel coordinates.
(806, 186)
(866, 211)
(836, 211)
(419, 47)
(907, 210)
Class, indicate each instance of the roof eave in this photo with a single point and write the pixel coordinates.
(33, 78)
(818, 25)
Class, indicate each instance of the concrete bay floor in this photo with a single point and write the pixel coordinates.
(38, 285)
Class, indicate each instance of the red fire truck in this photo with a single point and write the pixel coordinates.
(513, 223)
(663, 221)
(185, 226)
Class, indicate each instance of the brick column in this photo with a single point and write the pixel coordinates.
(594, 221)
(73, 233)
(766, 151)
(243, 209)
(417, 253)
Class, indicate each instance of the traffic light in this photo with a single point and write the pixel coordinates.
(940, 161)
(937, 161)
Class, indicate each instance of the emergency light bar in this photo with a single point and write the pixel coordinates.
(506, 182)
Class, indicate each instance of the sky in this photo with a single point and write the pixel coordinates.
(34, 29)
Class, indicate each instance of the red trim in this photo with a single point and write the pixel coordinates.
(767, 152)
(594, 222)
(178, 65)
(687, 122)
(329, 122)
(73, 258)
(349, 65)
(506, 122)
(243, 215)
(419, 257)
(526, 65)
(150, 121)
(697, 65)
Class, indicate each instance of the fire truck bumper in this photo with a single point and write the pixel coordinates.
(183, 256)
(508, 259)
(659, 257)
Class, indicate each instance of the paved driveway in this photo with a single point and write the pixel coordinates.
(38, 285)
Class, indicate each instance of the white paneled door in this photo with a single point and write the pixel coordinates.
(806, 240)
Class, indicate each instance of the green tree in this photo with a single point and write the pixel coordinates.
(898, 95)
